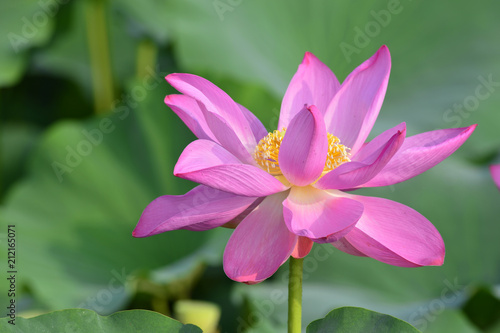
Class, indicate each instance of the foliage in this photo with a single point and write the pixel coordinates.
(75, 184)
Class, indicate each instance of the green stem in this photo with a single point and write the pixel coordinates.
(295, 295)
(97, 38)
(147, 52)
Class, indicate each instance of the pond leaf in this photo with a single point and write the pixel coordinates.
(359, 320)
(80, 320)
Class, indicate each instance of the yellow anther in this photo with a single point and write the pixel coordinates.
(267, 151)
(337, 153)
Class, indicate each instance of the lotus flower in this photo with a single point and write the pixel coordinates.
(286, 189)
(495, 174)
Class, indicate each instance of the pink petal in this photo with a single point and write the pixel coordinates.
(495, 174)
(215, 100)
(377, 155)
(260, 244)
(258, 130)
(313, 84)
(371, 147)
(344, 246)
(202, 208)
(395, 234)
(228, 138)
(303, 151)
(354, 109)
(320, 215)
(420, 153)
(208, 163)
(237, 220)
(302, 248)
(190, 113)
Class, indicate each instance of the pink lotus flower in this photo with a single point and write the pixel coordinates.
(284, 190)
(495, 174)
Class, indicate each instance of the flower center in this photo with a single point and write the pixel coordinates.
(267, 151)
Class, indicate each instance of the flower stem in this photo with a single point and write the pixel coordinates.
(147, 52)
(97, 38)
(295, 295)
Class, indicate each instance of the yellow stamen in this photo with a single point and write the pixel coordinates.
(337, 153)
(267, 151)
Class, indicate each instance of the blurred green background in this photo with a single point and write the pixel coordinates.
(87, 143)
